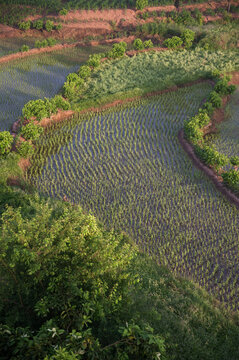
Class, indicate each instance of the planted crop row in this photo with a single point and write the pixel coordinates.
(127, 166)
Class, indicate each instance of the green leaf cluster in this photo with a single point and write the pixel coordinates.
(31, 131)
(6, 140)
(174, 42)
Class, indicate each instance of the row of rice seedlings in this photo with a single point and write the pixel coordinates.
(127, 167)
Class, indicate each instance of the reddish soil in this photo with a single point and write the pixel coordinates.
(24, 164)
(60, 116)
(81, 23)
(9, 32)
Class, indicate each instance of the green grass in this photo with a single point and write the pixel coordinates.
(36, 77)
(128, 168)
(152, 71)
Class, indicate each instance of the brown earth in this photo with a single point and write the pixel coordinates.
(81, 23)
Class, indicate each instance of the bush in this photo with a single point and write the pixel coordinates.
(25, 25)
(38, 24)
(31, 131)
(84, 71)
(188, 37)
(234, 160)
(25, 149)
(41, 44)
(223, 88)
(138, 44)
(212, 157)
(35, 108)
(58, 26)
(6, 140)
(75, 285)
(24, 48)
(61, 103)
(73, 86)
(148, 44)
(209, 108)
(192, 132)
(49, 25)
(118, 50)
(141, 4)
(215, 99)
(51, 41)
(231, 179)
(63, 12)
(94, 60)
(173, 43)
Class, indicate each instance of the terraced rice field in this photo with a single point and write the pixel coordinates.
(227, 140)
(9, 46)
(127, 166)
(34, 78)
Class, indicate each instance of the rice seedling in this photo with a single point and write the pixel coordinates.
(126, 166)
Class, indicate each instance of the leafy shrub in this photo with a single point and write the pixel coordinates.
(234, 160)
(84, 71)
(35, 108)
(80, 277)
(209, 108)
(51, 41)
(41, 43)
(58, 26)
(211, 157)
(61, 103)
(6, 140)
(193, 132)
(185, 18)
(215, 99)
(38, 24)
(231, 179)
(188, 37)
(31, 131)
(118, 50)
(49, 25)
(25, 25)
(141, 4)
(24, 48)
(173, 43)
(138, 44)
(25, 149)
(73, 86)
(148, 44)
(94, 60)
(63, 12)
(223, 88)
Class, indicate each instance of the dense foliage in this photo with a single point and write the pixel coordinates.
(65, 283)
(6, 140)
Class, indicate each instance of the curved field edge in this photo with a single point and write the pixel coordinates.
(188, 148)
(118, 162)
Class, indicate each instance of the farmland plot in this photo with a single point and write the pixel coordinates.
(127, 166)
(35, 77)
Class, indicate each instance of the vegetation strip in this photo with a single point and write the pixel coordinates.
(188, 148)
